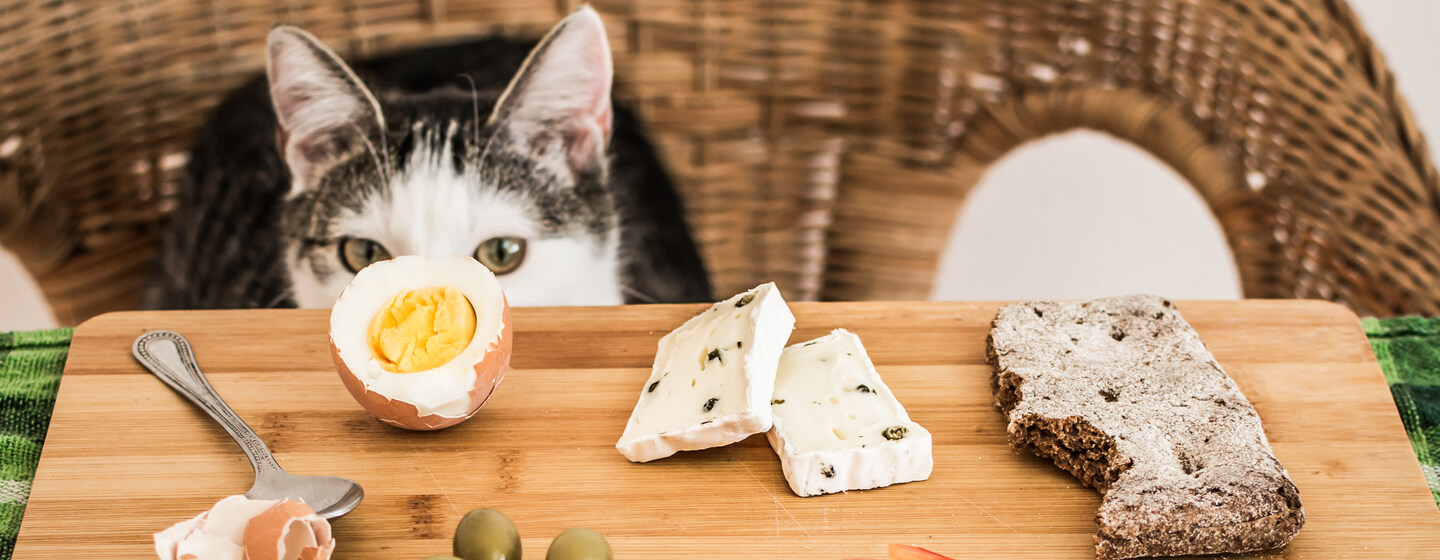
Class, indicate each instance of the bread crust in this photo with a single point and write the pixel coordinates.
(1122, 393)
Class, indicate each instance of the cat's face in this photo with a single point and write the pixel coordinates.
(517, 180)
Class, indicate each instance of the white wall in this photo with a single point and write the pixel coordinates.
(1054, 219)
(21, 307)
(1059, 218)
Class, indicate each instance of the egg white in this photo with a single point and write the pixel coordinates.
(443, 390)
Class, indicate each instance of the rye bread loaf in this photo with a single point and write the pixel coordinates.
(1122, 393)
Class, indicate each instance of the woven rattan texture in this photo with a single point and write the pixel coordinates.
(825, 144)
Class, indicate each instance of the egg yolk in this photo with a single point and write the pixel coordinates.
(422, 329)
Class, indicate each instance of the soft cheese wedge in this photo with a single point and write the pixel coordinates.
(711, 382)
(837, 427)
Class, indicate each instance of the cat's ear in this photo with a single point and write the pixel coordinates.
(562, 93)
(325, 112)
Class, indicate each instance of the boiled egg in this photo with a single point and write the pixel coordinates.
(422, 343)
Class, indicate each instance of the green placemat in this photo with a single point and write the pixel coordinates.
(1409, 352)
(30, 366)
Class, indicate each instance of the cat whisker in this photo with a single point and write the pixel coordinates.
(637, 294)
(384, 166)
(280, 298)
(475, 103)
(385, 149)
(500, 124)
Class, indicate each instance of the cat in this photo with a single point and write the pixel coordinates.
(509, 151)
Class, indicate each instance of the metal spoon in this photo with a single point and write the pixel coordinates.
(167, 355)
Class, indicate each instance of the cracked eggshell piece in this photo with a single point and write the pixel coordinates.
(439, 397)
(239, 528)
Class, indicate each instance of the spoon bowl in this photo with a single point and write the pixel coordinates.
(329, 496)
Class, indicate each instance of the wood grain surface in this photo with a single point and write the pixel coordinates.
(126, 456)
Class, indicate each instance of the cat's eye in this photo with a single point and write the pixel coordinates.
(502, 255)
(357, 253)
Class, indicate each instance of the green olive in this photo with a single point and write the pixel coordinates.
(579, 544)
(486, 534)
(441, 557)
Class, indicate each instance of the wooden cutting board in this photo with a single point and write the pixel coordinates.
(126, 456)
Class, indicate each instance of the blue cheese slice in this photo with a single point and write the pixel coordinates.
(837, 427)
(711, 382)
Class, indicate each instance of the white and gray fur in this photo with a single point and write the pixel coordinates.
(430, 153)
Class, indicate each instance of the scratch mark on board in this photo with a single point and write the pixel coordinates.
(777, 502)
(418, 459)
(987, 514)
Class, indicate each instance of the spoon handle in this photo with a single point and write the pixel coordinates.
(167, 355)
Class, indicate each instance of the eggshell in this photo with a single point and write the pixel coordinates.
(489, 372)
(289, 530)
(239, 528)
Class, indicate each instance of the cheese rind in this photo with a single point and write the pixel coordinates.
(837, 426)
(712, 378)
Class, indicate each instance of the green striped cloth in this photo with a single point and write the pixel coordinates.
(1409, 352)
(30, 366)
